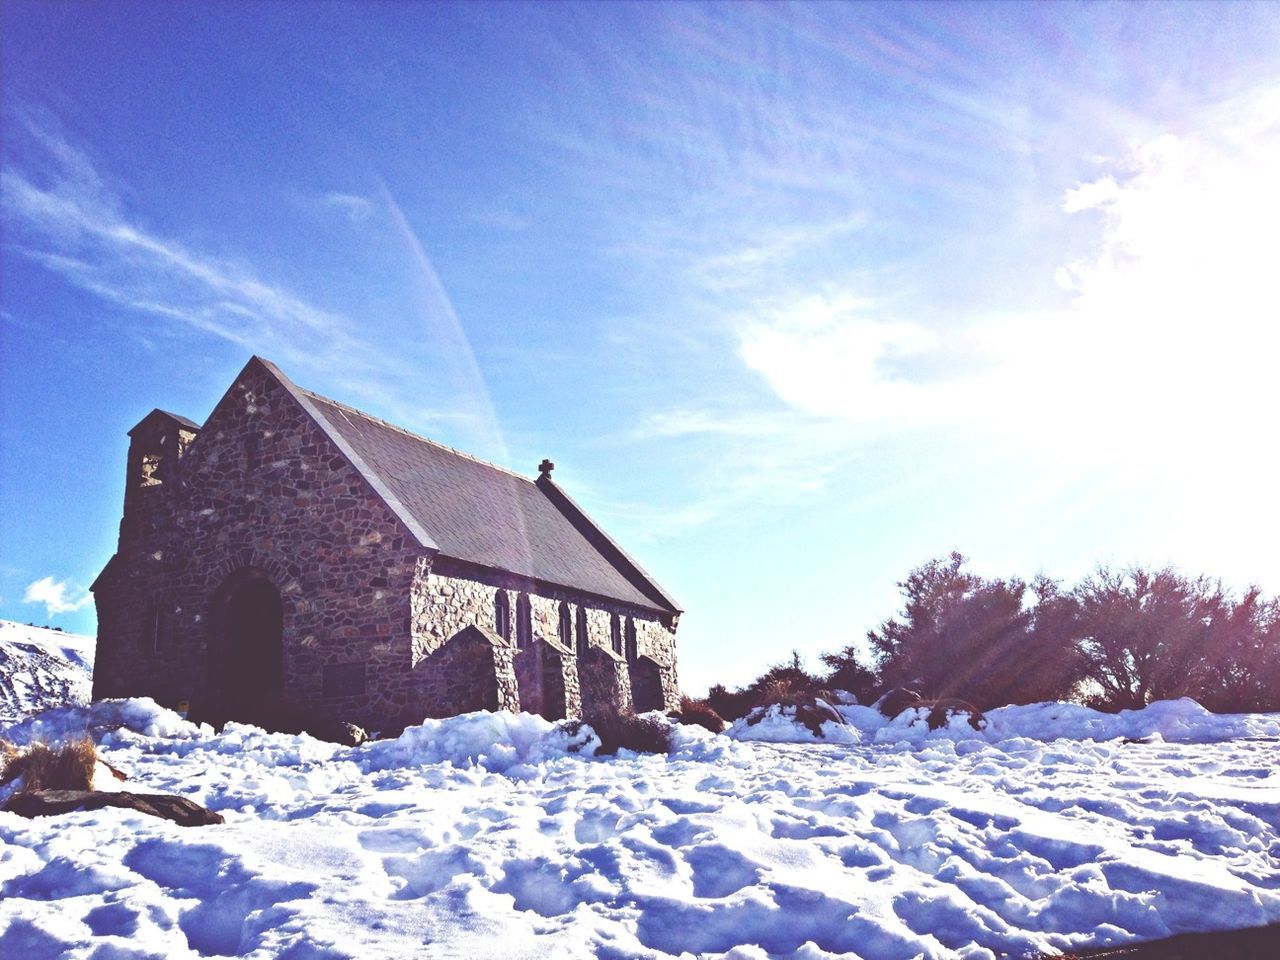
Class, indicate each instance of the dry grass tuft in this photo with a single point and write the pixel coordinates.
(42, 767)
(698, 713)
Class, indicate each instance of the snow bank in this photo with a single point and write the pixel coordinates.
(1175, 721)
(100, 720)
(1181, 721)
(777, 723)
(510, 743)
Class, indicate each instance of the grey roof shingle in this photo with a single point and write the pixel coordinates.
(482, 514)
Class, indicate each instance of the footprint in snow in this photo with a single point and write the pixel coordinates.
(719, 871)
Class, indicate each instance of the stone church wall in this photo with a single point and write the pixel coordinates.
(448, 597)
(263, 488)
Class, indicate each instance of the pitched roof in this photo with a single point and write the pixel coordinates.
(480, 513)
(165, 414)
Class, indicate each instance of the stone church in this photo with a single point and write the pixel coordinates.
(295, 549)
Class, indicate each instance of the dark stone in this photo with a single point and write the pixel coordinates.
(47, 803)
(1250, 943)
(336, 731)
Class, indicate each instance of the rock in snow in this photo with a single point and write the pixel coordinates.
(499, 835)
(166, 806)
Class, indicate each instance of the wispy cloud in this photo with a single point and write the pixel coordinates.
(769, 251)
(95, 247)
(353, 206)
(57, 596)
(63, 214)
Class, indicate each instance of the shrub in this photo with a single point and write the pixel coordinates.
(789, 678)
(847, 672)
(698, 713)
(810, 707)
(730, 704)
(647, 734)
(1242, 673)
(961, 635)
(68, 767)
(812, 715)
(1146, 634)
(616, 723)
(897, 700)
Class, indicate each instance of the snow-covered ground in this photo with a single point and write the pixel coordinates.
(493, 835)
(42, 668)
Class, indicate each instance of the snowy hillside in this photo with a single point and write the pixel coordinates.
(42, 668)
(495, 835)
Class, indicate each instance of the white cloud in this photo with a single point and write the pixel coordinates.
(356, 208)
(57, 596)
(827, 357)
(1175, 314)
(1175, 311)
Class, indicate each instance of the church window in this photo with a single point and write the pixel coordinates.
(524, 622)
(633, 653)
(502, 614)
(153, 640)
(582, 641)
(615, 633)
(566, 626)
(150, 470)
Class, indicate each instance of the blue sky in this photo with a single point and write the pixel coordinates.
(796, 296)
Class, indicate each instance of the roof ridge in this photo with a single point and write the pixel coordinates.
(346, 408)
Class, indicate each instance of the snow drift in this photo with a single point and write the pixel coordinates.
(1182, 721)
(500, 835)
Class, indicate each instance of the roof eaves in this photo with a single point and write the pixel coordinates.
(370, 476)
(606, 544)
(458, 566)
(182, 421)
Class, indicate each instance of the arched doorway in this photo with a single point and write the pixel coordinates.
(247, 667)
